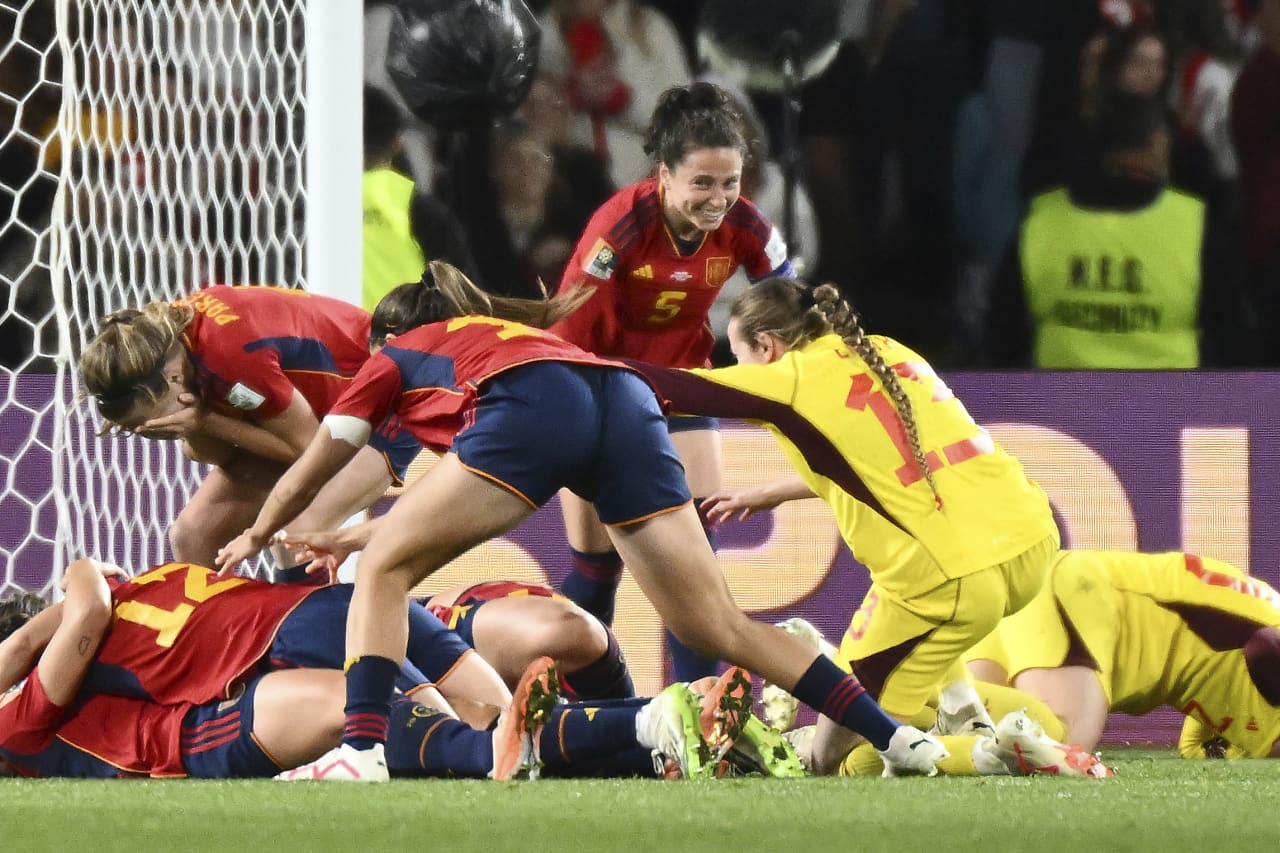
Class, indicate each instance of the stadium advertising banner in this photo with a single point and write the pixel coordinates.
(1150, 461)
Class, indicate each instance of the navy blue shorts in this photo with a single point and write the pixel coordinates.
(397, 446)
(596, 430)
(218, 742)
(313, 636)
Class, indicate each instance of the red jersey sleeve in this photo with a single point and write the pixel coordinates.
(593, 326)
(760, 246)
(374, 393)
(28, 718)
(235, 375)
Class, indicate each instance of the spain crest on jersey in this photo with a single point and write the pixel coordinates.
(718, 271)
(600, 260)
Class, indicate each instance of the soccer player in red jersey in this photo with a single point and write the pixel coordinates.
(50, 726)
(180, 634)
(464, 373)
(241, 376)
(657, 253)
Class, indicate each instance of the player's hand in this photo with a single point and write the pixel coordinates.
(237, 550)
(325, 549)
(182, 423)
(746, 502)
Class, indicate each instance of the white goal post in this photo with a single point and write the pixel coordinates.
(149, 147)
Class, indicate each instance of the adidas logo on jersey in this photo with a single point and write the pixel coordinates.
(645, 271)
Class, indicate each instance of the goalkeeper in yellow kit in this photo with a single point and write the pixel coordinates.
(1118, 631)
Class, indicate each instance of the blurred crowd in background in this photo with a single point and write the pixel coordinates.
(930, 150)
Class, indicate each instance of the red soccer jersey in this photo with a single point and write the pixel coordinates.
(653, 294)
(428, 377)
(100, 737)
(181, 634)
(253, 346)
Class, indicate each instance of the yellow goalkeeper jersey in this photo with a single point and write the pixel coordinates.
(841, 430)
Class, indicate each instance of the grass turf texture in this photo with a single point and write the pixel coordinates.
(1158, 802)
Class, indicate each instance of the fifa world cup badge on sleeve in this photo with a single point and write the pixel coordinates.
(601, 260)
(243, 397)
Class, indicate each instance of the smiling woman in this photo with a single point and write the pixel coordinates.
(658, 253)
(241, 376)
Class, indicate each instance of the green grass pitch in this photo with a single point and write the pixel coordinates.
(1157, 803)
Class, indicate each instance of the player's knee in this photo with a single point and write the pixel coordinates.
(190, 542)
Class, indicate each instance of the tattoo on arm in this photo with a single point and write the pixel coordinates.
(86, 643)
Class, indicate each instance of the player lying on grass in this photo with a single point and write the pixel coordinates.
(1127, 632)
(180, 634)
(285, 718)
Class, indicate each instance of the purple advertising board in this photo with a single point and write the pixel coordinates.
(1130, 460)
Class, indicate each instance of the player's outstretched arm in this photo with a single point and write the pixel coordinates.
(328, 549)
(744, 502)
(296, 488)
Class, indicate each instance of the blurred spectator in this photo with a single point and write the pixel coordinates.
(993, 132)
(615, 57)
(1120, 271)
(549, 116)
(403, 225)
(1255, 130)
(523, 219)
(763, 184)
(392, 255)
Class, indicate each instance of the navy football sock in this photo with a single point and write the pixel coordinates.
(424, 741)
(589, 732)
(592, 582)
(370, 680)
(835, 694)
(605, 678)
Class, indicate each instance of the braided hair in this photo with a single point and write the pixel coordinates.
(798, 314)
(445, 292)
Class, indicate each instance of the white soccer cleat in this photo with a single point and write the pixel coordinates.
(670, 725)
(1027, 751)
(911, 752)
(780, 708)
(968, 719)
(342, 764)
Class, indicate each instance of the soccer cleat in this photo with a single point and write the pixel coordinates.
(801, 741)
(670, 726)
(515, 737)
(724, 706)
(911, 752)
(1024, 747)
(969, 719)
(780, 708)
(344, 763)
(764, 750)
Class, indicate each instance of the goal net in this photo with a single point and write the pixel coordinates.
(147, 147)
